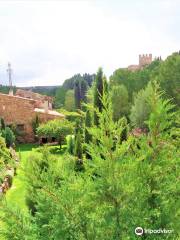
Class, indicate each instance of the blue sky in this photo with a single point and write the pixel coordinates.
(49, 41)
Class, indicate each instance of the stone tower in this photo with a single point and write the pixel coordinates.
(144, 60)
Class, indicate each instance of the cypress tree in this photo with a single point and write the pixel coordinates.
(2, 124)
(77, 94)
(78, 146)
(105, 85)
(98, 92)
(88, 136)
(70, 145)
(83, 91)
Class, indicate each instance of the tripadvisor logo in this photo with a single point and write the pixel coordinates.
(139, 231)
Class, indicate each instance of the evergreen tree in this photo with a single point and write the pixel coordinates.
(77, 94)
(119, 98)
(9, 136)
(2, 124)
(78, 146)
(157, 173)
(69, 104)
(105, 85)
(18, 224)
(98, 93)
(60, 95)
(88, 124)
(35, 123)
(70, 145)
(84, 87)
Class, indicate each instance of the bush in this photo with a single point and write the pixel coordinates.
(70, 144)
(9, 136)
(141, 109)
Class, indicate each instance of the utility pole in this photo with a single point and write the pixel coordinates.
(9, 71)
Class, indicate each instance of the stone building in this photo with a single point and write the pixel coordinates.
(144, 60)
(43, 101)
(21, 109)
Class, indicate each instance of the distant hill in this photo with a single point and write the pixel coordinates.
(51, 90)
(45, 90)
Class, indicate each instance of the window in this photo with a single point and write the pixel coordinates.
(20, 127)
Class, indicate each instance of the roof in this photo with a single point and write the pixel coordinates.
(14, 96)
(51, 112)
(32, 95)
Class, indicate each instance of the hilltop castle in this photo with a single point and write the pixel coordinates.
(144, 60)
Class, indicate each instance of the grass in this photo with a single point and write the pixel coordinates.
(16, 196)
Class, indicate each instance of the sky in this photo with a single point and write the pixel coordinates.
(47, 42)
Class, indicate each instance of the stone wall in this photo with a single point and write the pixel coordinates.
(20, 111)
(145, 59)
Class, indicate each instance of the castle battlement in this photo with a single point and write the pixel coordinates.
(144, 60)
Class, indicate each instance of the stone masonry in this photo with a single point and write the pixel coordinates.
(22, 111)
(144, 60)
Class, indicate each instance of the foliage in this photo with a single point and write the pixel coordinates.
(60, 95)
(5, 89)
(9, 136)
(77, 94)
(120, 104)
(126, 183)
(5, 159)
(58, 129)
(69, 83)
(2, 124)
(78, 146)
(44, 90)
(70, 144)
(18, 224)
(84, 87)
(169, 77)
(80, 91)
(36, 166)
(141, 109)
(98, 93)
(88, 124)
(157, 170)
(134, 81)
(71, 116)
(69, 101)
(35, 124)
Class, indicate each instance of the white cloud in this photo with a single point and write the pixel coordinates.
(49, 41)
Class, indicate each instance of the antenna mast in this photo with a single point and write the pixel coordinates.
(9, 70)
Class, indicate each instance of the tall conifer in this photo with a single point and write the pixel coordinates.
(77, 94)
(98, 92)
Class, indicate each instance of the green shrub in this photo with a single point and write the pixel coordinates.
(141, 109)
(70, 144)
(9, 136)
